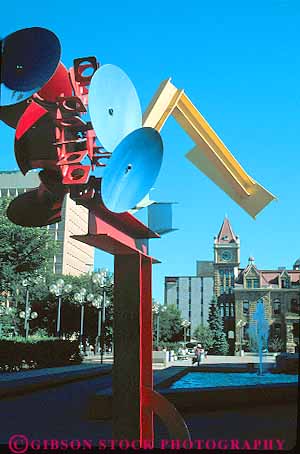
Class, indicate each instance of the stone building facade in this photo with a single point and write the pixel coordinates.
(280, 292)
(238, 291)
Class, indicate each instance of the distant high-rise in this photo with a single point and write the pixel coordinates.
(191, 295)
(72, 257)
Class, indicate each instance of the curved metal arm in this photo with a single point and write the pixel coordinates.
(168, 413)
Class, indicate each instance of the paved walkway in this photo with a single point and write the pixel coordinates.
(59, 409)
(18, 383)
(21, 375)
(211, 359)
(60, 413)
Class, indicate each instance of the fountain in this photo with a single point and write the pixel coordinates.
(259, 332)
(228, 386)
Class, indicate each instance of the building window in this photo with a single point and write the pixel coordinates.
(295, 305)
(245, 331)
(285, 283)
(277, 329)
(226, 276)
(13, 192)
(177, 293)
(227, 310)
(255, 283)
(276, 307)
(222, 310)
(245, 307)
(252, 283)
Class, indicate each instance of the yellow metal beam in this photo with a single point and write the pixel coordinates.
(258, 198)
(162, 105)
(210, 155)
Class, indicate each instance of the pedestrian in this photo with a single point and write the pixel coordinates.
(199, 354)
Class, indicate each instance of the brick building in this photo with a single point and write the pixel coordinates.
(238, 290)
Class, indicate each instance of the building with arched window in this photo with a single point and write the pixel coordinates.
(280, 292)
(238, 290)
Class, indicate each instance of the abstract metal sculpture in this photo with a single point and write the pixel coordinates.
(48, 104)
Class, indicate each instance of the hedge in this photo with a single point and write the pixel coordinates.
(16, 354)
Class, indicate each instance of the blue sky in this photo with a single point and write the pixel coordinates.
(239, 64)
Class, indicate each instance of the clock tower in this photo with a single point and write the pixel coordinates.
(226, 269)
(226, 259)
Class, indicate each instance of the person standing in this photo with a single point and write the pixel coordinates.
(199, 354)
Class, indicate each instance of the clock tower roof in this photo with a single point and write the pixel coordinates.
(226, 234)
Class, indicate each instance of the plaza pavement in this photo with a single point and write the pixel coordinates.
(210, 359)
(18, 383)
(60, 412)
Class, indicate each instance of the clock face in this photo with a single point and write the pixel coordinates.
(226, 255)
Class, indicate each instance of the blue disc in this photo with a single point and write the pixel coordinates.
(114, 106)
(29, 59)
(132, 170)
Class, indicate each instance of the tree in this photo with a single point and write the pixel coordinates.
(24, 251)
(276, 344)
(205, 336)
(7, 321)
(220, 345)
(46, 304)
(170, 329)
(27, 252)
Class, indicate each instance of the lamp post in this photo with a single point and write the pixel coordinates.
(25, 284)
(157, 309)
(27, 315)
(104, 281)
(81, 298)
(58, 289)
(185, 324)
(97, 303)
(2, 311)
(240, 324)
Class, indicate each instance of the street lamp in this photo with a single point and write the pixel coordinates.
(97, 303)
(240, 324)
(185, 324)
(58, 289)
(104, 281)
(157, 309)
(25, 284)
(27, 315)
(81, 297)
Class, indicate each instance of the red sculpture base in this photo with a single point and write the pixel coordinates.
(133, 397)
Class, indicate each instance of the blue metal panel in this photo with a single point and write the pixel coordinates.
(132, 170)
(160, 217)
(114, 106)
(29, 59)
